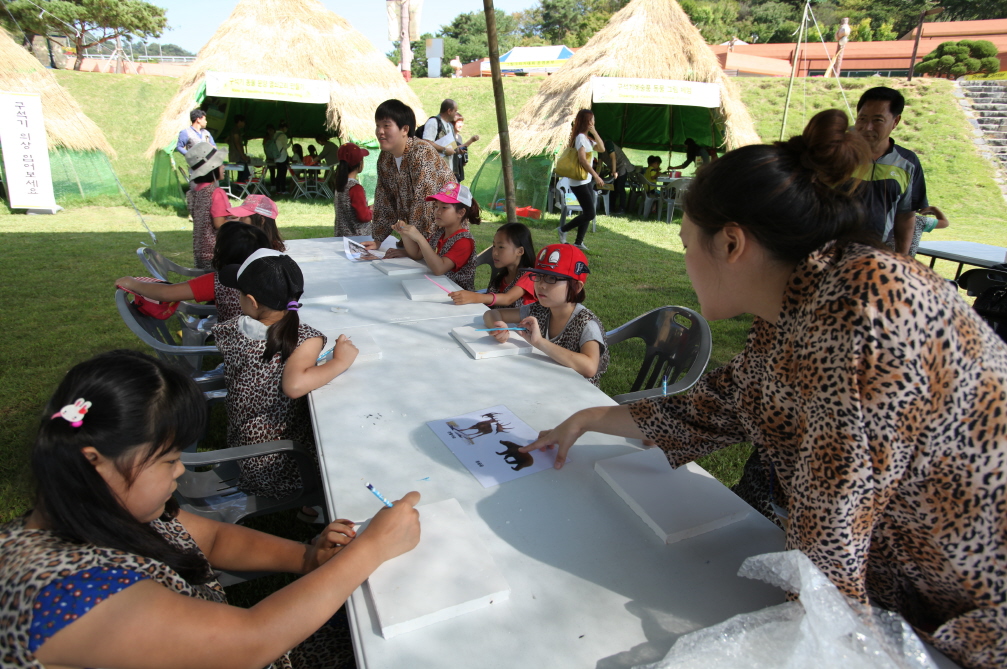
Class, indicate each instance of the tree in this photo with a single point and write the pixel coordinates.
(955, 59)
(92, 22)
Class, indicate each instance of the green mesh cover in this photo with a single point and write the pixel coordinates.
(165, 186)
(81, 174)
(531, 182)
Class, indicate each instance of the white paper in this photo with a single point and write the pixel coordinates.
(390, 242)
(445, 141)
(358, 252)
(486, 442)
(367, 347)
(396, 266)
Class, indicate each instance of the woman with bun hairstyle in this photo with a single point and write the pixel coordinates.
(873, 393)
(107, 571)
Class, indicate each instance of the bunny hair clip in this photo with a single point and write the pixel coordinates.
(73, 413)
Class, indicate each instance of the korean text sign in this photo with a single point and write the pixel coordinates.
(27, 176)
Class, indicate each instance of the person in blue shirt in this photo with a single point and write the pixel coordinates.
(195, 133)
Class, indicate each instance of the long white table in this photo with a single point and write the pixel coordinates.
(591, 585)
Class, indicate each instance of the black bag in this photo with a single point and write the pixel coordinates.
(992, 306)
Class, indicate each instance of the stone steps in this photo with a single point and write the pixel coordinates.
(986, 104)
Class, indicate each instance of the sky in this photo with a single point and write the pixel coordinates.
(191, 23)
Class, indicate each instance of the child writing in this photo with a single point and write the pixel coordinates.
(510, 285)
(235, 242)
(353, 216)
(269, 366)
(106, 534)
(451, 249)
(559, 325)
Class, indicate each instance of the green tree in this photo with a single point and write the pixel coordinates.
(955, 59)
(88, 23)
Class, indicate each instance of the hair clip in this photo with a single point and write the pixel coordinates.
(293, 305)
(73, 413)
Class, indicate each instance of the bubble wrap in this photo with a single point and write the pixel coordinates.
(824, 629)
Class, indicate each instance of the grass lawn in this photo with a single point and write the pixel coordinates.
(56, 281)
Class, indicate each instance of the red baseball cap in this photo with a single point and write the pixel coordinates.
(255, 204)
(351, 153)
(565, 260)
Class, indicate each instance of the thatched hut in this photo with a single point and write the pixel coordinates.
(78, 148)
(647, 39)
(298, 39)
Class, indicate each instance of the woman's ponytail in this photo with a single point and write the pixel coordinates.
(281, 336)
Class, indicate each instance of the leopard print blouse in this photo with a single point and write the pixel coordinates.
(204, 235)
(464, 276)
(876, 403)
(401, 192)
(258, 411)
(227, 299)
(569, 338)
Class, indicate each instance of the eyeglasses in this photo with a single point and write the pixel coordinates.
(547, 278)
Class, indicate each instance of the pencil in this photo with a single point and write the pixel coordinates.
(497, 329)
(425, 276)
(379, 495)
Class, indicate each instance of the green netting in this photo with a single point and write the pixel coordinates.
(165, 184)
(81, 174)
(531, 182)
(657, 127)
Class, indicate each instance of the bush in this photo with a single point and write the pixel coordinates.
(959, 70)
(945, 62)
(972, 64)
(990, 65)
(956, 59)
(925, 67)
(984, 49)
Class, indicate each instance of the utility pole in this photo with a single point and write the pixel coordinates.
(919, 32)
(498, 96)
(405, 48)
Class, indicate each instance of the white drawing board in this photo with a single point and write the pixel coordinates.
(322, 290)
(397, 266)
(481, 345)
(448, 574)
(675, 503)
(367, 348)
(486, 442)
(430, 288)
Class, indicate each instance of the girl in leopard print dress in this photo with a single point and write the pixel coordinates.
(874, 395)
(451, 249)
(558, 324)
(270, 366)
(105, 530)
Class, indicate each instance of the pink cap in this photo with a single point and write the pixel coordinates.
(255, 204)
(453, 193)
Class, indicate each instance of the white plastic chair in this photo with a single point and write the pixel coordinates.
(673, 193)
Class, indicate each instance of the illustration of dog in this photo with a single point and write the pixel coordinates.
(513, 456)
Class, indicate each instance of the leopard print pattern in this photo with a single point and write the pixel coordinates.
(204, 236)
(227, 299)
(569, 338)
(401, 192)
(347, 224)
(877, 399)
(495, 287)
(258, 411)
(465, 276)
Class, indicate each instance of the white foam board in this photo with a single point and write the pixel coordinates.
(398, 266)
(430, 288)
(448, 574)
(326, 291)
(675, 503)
(481, 345)
(367, 347)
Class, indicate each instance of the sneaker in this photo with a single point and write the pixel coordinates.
(562, 235)
(581, 246)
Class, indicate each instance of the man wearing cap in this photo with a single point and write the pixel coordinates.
(207, 203)
(409, 170)
(353, 215)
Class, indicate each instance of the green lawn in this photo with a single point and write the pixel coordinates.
(57, 274)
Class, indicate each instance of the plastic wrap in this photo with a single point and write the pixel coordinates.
(823, 629)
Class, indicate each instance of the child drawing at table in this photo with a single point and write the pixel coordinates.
(510, 284)
(559, 325)
(235, 242)
(270, 366)
(353, 215)
(451, 249)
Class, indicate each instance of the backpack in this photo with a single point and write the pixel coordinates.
(269, 146)
(441, 127)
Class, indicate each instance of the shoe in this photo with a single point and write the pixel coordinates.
(581, 246)
(562, 235)
(317, 519)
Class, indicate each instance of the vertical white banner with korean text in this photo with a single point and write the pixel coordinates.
(27, 176)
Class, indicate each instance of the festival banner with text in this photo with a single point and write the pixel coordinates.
(27, 177)
(655, 92)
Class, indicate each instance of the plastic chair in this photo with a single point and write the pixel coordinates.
(678, 347)
(562, 191)
(651, 193)
(673, 194)
(977, 281)
(158, 266)
(254, 184)
(300, 183)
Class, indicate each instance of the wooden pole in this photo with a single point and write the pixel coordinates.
(498, 96)
(919, 32)
(793, 72)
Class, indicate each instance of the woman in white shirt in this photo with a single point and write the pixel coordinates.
(584, 138)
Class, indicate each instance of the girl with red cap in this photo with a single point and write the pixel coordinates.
(353, 215)
(558, 324)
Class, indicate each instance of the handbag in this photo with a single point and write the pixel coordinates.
(569, 165)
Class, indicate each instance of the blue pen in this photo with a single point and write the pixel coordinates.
(499, 329)
(664, 386)
(379, 495)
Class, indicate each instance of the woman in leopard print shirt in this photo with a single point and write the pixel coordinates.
(873, 393)
(106, 531)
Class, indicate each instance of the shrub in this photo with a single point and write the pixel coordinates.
(959, 70)
(972, 64)
(990, 65)
(955, 59)
(983, 49)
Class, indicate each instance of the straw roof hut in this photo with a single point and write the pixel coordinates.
(648, 39)
(66, 125)
(300, 39)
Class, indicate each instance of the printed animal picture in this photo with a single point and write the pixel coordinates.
(477, 440)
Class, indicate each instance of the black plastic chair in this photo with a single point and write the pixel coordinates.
(977, 281)
(678, 342)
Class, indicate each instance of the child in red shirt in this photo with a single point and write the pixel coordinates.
(353, 216)
(510, 286)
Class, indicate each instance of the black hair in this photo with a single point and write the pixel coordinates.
(311, 149)
(519, 235)
(653, 159)
(196, 114)
(793, 197)
(140, 410)
(574, 294)
(896, 102)
(283, 125)
(268, 226)
(238, 118)
(269, 129)
(471, 212)
(235, 242)
(343, 174)
(281, 336)
(298, 150)
(447, 105)
(398, 113)
(209, 177)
